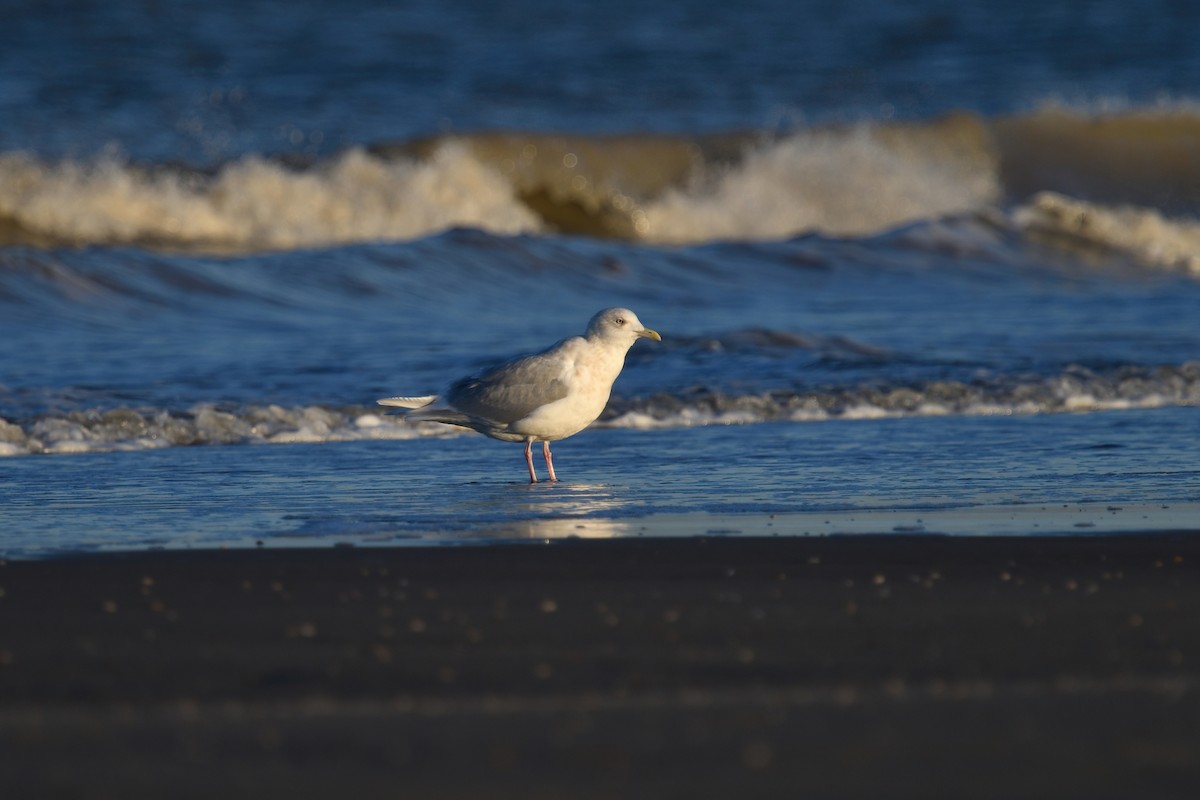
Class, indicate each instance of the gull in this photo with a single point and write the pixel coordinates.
(541, 397)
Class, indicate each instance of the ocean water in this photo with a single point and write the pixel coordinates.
(917, 267)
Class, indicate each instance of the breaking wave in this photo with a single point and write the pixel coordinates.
(1126, 180)
(1144, 235)
(1076, 390)
(254, 204)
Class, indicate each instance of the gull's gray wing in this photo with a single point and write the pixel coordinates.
(515, 389)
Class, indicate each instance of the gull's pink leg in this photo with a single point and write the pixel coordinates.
(529, 461)
(549, 461)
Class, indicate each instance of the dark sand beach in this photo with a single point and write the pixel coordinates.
(872, 666)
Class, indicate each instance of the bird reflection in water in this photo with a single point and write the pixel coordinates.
(555, 511)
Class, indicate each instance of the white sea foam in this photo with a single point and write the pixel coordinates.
(1076, 391)
(253, 203)
(837, 183)
(61, 436)
(1143, 234)
(845, 182)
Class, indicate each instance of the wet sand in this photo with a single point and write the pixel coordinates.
(856, 666)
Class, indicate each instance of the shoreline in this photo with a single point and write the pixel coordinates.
(1017, 521)
(886, 666)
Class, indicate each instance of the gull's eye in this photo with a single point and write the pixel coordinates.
(619, 320)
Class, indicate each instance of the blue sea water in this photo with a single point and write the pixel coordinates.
(922, 266)
(1106, 473)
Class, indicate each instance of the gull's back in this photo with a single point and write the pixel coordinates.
(516, 388)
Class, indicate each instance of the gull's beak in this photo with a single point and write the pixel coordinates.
(649, 334)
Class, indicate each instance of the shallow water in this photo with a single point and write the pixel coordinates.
(954, 271)
(1068, 474)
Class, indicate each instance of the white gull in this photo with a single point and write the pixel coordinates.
(541, 397)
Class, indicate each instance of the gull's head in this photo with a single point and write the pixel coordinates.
(619, 325)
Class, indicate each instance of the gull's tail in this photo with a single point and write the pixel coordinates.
(427, 409)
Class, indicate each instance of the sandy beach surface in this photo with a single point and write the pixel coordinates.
(853, 666)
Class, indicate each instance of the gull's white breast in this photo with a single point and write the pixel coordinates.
(589, 372)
